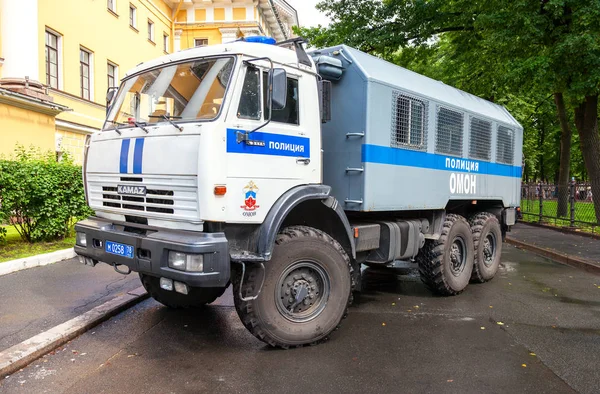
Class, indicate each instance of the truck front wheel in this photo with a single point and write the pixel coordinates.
(197, 296)
(446, 264)
(306, 289)
(487, 238)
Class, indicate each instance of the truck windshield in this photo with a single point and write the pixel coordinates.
(181, 92)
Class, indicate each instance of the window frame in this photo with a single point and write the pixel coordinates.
(260, 94)
(226, 95)
(499, 158)
(151, 35)
(475, 143)
(449, 152)
(289, 78)
(58, 51)
(90, 74)
(198, 39)
(397, 98)
(132, 16)
(165, 42)
(115, 77)
(112, 9)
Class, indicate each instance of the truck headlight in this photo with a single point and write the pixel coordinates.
(186, 262)
(81, 239)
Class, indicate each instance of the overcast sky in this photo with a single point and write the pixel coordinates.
(308, 14)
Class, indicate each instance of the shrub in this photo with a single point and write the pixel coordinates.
(40, 197)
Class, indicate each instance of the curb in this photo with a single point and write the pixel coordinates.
(558, 257)
(39, 260)
(20, 355)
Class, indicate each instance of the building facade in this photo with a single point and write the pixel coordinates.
(58, 57)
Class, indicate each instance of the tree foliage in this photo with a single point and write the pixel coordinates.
(39, 196)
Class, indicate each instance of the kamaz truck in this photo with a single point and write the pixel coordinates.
(282, 173)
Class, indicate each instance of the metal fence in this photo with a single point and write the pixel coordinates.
(571, 206)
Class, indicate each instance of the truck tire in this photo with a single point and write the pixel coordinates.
(446, 264)
(197, 297)
(306, 291)
(487, 240)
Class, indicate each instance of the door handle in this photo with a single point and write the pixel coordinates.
(303, 161)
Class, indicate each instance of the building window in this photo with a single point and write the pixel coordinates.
(85, 58)
(409, 122)
(166, 43)
(52, 41)
(113, 76)
(449, 132)
(201, 42)
(112, 5)
(150, 30)
(132, 16)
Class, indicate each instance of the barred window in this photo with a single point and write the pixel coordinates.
(505, 145)
(449, 139)
(480, 146)
(409, 122)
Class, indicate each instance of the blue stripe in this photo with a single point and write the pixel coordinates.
(274, 144)
(138, 154)
(404, 157)
(124, 156)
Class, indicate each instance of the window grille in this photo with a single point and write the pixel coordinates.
(480, 137)
(449, 139)
(409, 122)
(505, 145)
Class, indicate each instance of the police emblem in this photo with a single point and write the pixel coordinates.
(250, 197)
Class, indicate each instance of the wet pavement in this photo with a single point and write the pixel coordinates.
(37, 299)
(572, 245)
(534, 328)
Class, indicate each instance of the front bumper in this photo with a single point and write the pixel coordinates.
(151, 249)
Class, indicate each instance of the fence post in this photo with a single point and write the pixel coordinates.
(541, 194)
(572, 201)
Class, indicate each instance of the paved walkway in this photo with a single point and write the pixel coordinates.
(572, 245)
(37, 299)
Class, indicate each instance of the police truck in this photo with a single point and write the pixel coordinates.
(281, 172)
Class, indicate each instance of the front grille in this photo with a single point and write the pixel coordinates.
(174, 197)
(140, 203)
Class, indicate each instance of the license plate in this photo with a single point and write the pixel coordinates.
(119, 249)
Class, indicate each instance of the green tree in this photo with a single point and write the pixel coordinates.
(508, 47)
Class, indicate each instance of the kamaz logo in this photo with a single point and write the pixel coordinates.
(131, 190)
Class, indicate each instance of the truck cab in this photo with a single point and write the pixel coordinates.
(209, 171)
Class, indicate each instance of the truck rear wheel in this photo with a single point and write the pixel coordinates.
(446, 264)
(306, 290)
(197, 296)
(487, 239)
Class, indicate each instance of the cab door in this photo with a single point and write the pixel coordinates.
(264, 164)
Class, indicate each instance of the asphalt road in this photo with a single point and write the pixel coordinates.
(534, 328)
(37, 299)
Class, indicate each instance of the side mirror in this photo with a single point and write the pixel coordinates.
(278, 76)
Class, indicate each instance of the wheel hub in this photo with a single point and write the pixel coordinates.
(457, 256)
(302, 292)
(489, 249)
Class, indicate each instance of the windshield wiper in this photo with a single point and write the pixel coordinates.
(140, 125)
(168, 119)
(117, 124)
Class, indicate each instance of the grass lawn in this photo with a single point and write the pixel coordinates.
(16, 248)
(585, 217)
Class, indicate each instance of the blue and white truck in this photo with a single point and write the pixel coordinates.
(280, 172)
